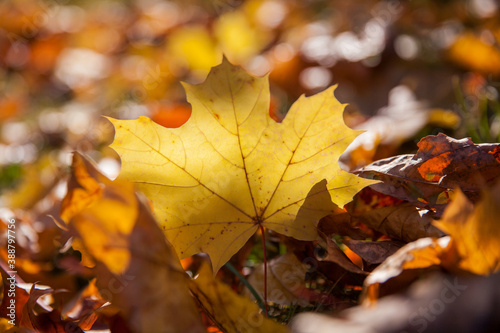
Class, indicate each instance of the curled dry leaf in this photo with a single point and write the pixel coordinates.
(315, 256)
(231, 168)
(336, 255)
(340, 224)
(229, 311)
(420, 254)
(137, 269)
(83, 307)
(441, 163)
(472, 244)
(373, 252)
(29, 317)
(50, 322)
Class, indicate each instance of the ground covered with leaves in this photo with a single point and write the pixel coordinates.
(173, 166)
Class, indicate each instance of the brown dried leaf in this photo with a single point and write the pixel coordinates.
(403, 222)
(441, 163)
(336, 255)
(137, 269)
(286, 282)
(373, 252)
(50, 322)
(420, 254)
(19, 300)
(340, 224)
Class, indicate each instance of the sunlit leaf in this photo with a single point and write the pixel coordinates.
(231, 167)
(474, 231)
(440, 165)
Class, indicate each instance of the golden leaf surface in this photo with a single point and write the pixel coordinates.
(231, 167)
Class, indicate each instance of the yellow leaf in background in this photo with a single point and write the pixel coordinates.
(193, 47)
(474, 231)
(38, 178)
(444, 118)
(231, 167)
(474, 54)
(101, 208)
(230, 311)
(238, 39)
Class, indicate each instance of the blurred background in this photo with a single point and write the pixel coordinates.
(406, 69)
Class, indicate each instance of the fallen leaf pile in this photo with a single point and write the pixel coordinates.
(234, 222)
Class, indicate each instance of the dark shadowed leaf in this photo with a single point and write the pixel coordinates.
(373, 252)
(439, 303)
(404, 221)
(286, 282)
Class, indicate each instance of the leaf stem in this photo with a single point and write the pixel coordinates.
(262, 231)
(247, 284)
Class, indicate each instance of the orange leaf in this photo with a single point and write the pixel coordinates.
(171, 116)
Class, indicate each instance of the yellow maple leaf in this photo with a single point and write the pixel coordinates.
(474, 231)
(231, 167)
